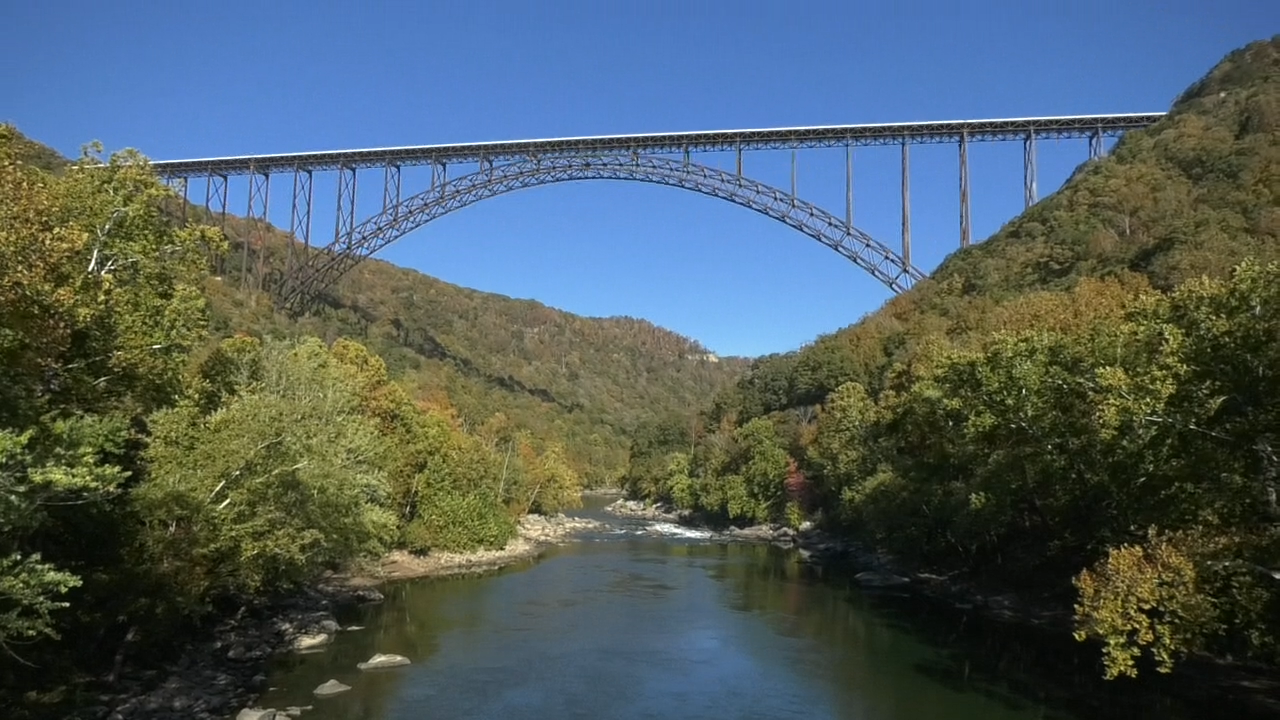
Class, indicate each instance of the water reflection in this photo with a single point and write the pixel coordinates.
(641, 627)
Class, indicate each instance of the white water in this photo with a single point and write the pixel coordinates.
(664, 529)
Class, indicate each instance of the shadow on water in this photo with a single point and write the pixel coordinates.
(1021, 667)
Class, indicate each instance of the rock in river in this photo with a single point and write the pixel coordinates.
(312, 642)
(379, 661)
(331, 687)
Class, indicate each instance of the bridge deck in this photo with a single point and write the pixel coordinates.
(1076, 126)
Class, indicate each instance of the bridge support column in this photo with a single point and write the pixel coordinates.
(391, 190)
(215, 196)
(299, 220)
(439, 173)
(346, 220)
(964, 190)
(1095, 145)
(793, 178)
(739, 160)
(259, 199)
(1029, 169)
(179, 187)
(906, 204)
(848, 185)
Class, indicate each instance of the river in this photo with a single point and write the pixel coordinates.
(654, 621)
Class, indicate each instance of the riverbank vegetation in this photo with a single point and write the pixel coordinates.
(172, 450)
(1083, 408)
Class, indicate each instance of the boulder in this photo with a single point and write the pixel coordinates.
(312, 641)
(256, 714)
(380, 661)
(330, 687)
(762, 533)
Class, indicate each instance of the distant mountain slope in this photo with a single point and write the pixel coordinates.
(585, 381)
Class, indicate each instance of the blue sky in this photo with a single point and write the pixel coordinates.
(180, 80)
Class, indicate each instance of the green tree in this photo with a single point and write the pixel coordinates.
(281, 481)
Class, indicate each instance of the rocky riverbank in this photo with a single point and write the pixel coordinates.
(535, 533)
(640, 510)
(222, 674)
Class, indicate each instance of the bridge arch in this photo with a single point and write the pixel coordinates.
(325, 267)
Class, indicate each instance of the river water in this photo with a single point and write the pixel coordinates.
(654, 621)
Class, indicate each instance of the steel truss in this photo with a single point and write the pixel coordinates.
(215, 198)
(259, 202)
(325, 266)
(299, 217)
(179, 186)
(1094, 127)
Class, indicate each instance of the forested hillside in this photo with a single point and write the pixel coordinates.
(583, 382)
(1085, 407)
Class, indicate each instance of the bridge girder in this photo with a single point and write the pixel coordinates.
(326, 265)
(1094, 127)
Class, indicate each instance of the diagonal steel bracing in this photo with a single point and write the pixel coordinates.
(299, 218)
(1029, 170)
(259, 204)
(324, 267)
(346, 221)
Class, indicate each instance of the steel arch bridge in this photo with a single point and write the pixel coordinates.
(664, 159)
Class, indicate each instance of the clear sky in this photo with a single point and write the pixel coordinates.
(198, 79)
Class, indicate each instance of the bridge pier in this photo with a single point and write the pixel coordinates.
(1029, 169)
(439, 171)
(300, 218)
(848, 185)
(391, 189)
(346, 221)
(1095, 144)
(259, 202)
(964, 190)
(215, 195)
(906, 204)
(793, 177)
(179, 187)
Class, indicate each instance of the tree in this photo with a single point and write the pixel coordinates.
(278, 483)
(101, 305)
